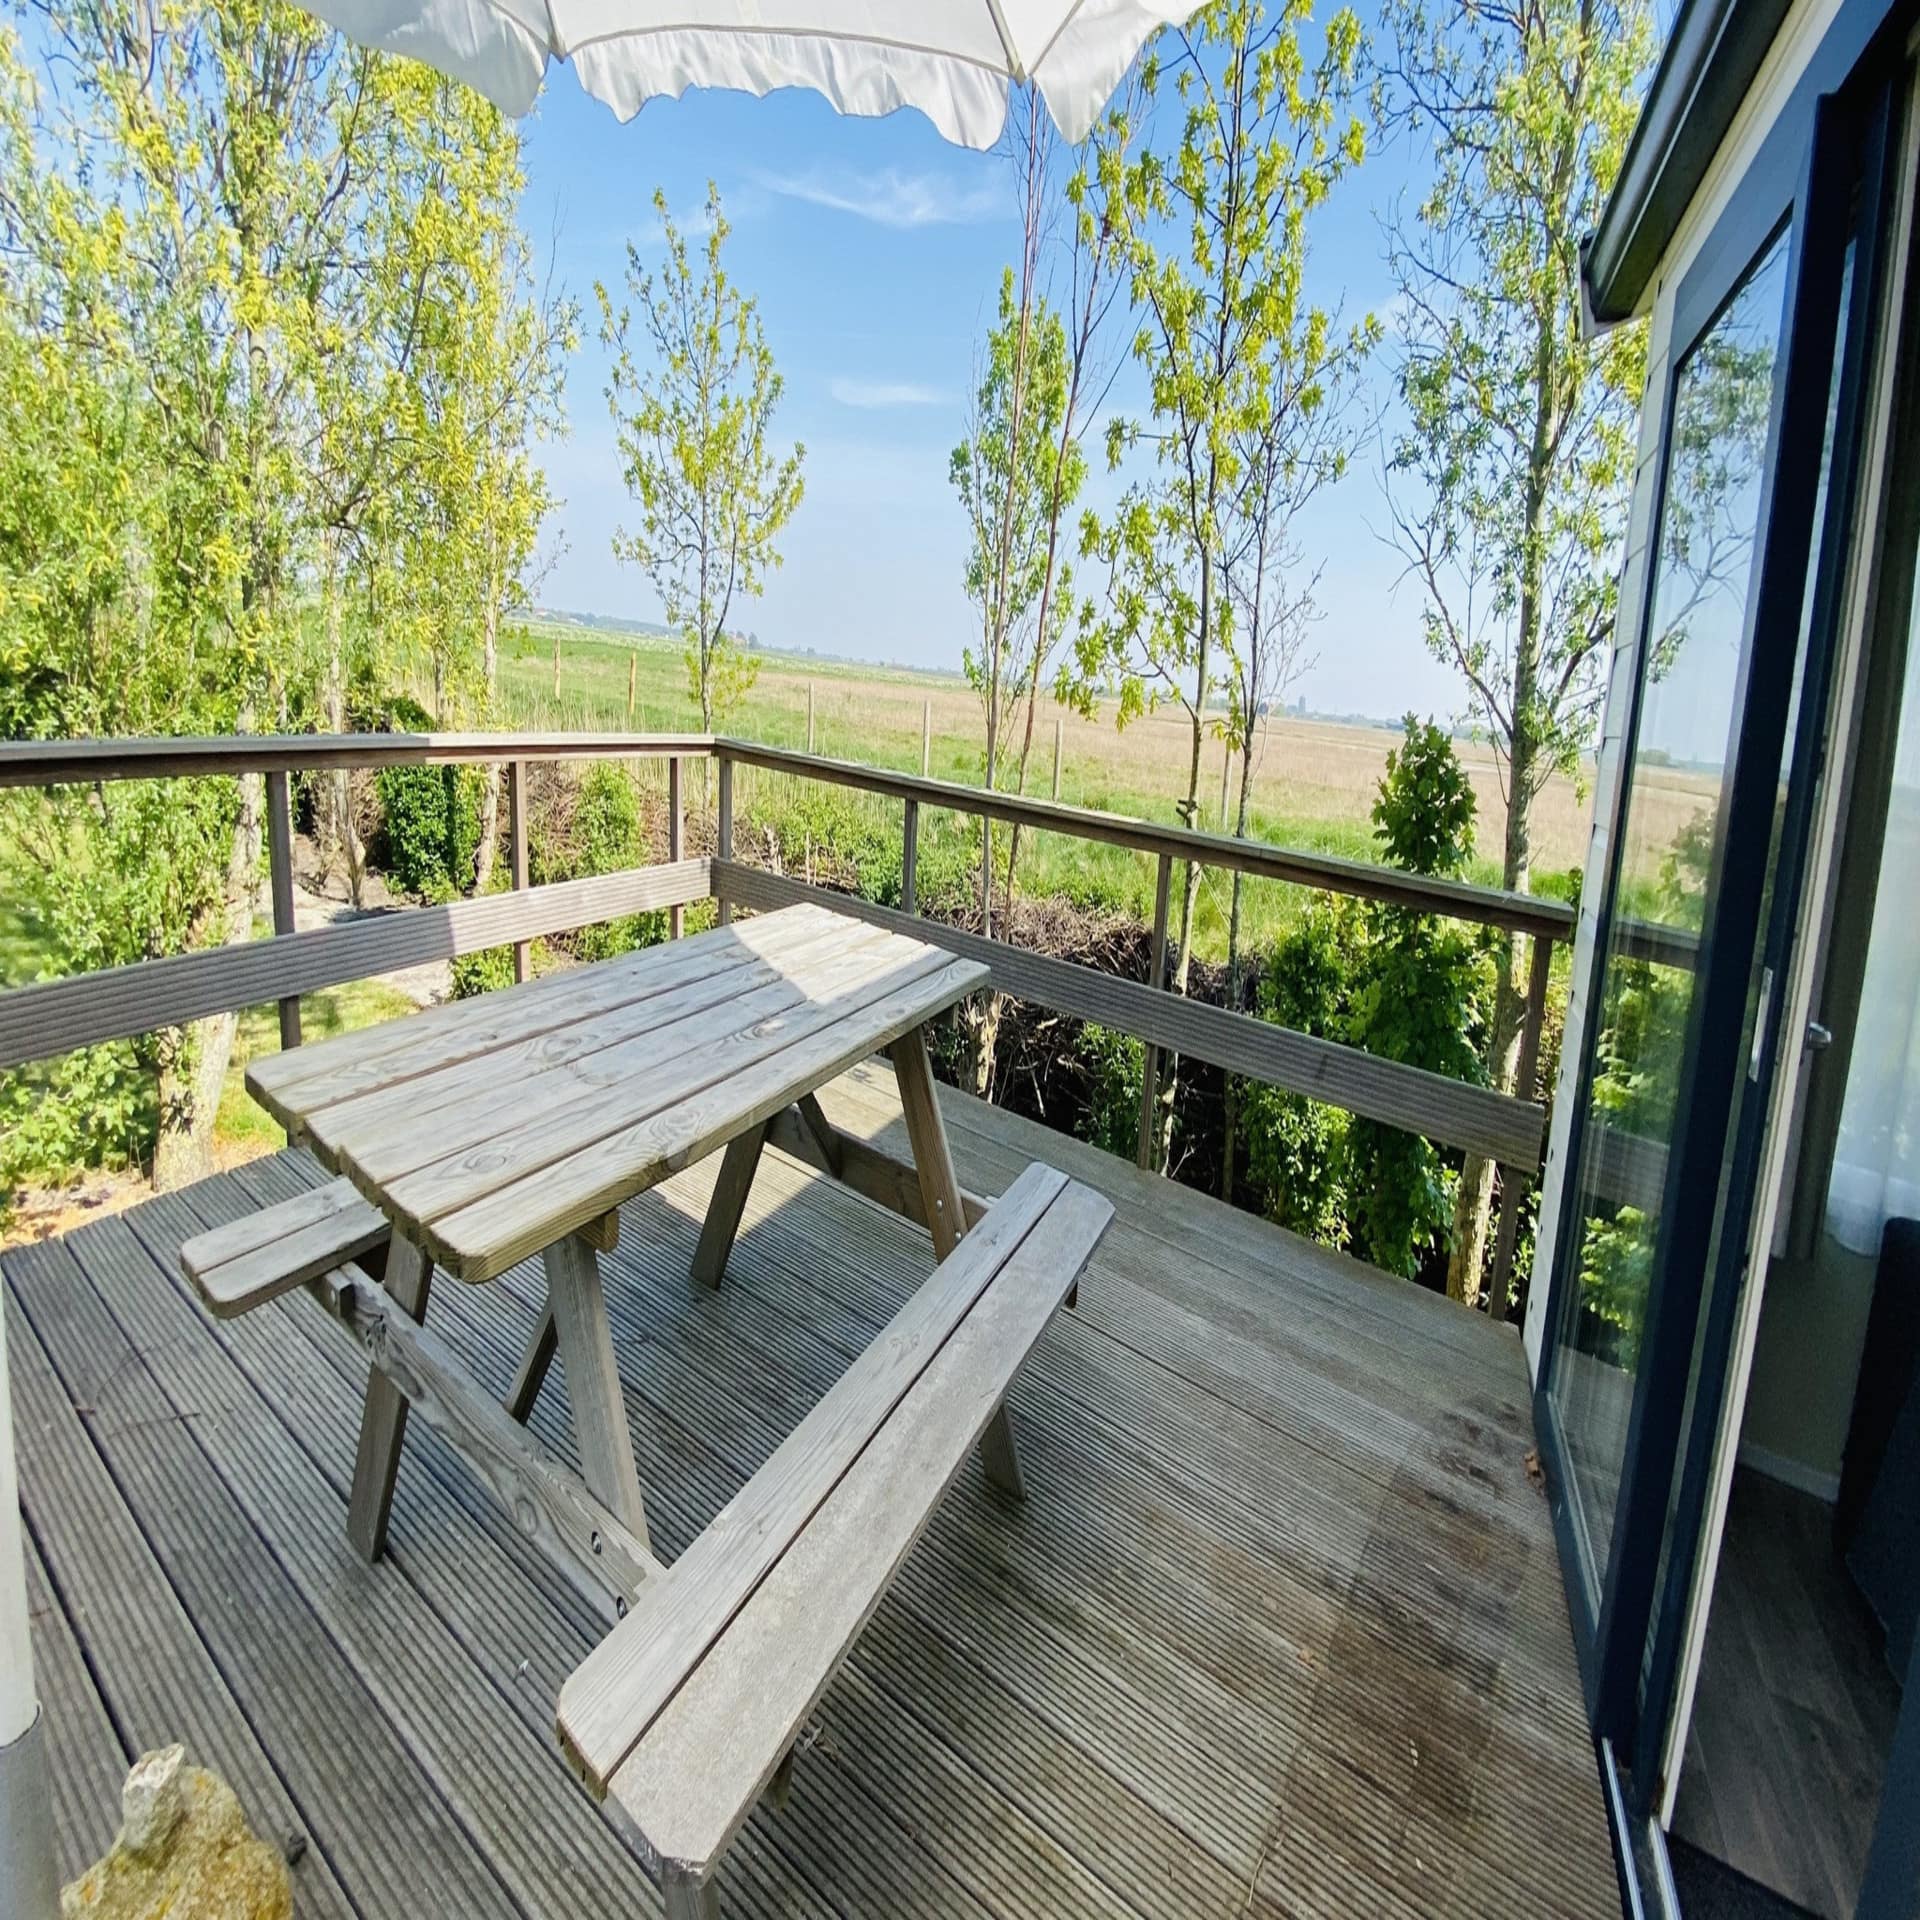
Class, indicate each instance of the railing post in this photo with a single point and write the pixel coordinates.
(1156, 977)
(1525, 1070)
(280, 881)
(676, 840)
(910, 860)
(517, 829)
(723, 832)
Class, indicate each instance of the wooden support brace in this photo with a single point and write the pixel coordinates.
(728, 1206)
(532, 1373)
(543, 1499)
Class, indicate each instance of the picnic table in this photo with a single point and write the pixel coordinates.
(478, 1134)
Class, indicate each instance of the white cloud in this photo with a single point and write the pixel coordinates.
(891, 198)
(872, 394)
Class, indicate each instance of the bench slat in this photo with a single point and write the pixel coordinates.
(690, 1782)
(614, 1695)
(250, 1261)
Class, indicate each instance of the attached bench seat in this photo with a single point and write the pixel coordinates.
(262, 1255)
(692, 1704)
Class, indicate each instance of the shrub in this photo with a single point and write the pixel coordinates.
(429, 818)
(1295, 1146)
(1113, 1065)
(1418, 997)
(485, 972)
(92, 1108)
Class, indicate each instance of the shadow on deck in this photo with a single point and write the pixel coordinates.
(1279, 1630)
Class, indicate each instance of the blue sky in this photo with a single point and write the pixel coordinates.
(875, 249)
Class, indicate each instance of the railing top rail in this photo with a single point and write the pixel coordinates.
(1490, 906)
(49, 763)
(42, 763)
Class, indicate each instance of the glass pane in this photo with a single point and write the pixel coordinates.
(1675, 791)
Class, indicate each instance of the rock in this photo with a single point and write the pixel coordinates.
(184, 1852)
(152, 1802)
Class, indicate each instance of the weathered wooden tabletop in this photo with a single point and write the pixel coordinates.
(489, 1129)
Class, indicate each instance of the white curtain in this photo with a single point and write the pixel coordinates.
(1876, 1166)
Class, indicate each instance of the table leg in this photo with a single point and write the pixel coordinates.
(946, 1216)
(728, 1206)
(927, 1135)
(579, 1306)
(383, 1420)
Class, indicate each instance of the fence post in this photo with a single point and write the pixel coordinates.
(926, 738)
(723, 833)
(1525, 1070)
(280, 880)
(676, 840)
(1058, 726)
(910, 860)
(517, 829)
(1156, 977)
(809, 716)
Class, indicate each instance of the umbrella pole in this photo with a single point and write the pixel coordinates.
(29, 1886)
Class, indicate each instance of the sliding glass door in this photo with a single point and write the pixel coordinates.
(1708, 837)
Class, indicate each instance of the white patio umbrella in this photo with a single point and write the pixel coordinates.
(950, 58)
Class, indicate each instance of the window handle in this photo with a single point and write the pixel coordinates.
(1819, 1038)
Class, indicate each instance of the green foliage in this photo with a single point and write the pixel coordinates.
(1112, 1065)
(430, 819)
(1402, 985)
(1295, 1146)
(486, 971)
(1017, 473)
(90, 1108)
(1521, 433)
(1214, 236)
(694, 429)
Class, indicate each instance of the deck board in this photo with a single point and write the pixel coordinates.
(1279, 1631)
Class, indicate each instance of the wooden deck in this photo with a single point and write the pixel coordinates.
(1278, 1632)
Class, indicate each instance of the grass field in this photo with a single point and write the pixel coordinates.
(1313, 788)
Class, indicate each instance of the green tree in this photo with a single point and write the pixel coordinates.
(1416, 998)
(1019, 472)
(1213, 234)
(695, 426)
(1516, 458)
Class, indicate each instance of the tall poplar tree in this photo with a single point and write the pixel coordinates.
(1213, 228)
(1511, 476)
(693, 400)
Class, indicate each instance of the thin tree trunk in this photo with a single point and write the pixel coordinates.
(1231, 1100)
(193, 1062)
(489, 848)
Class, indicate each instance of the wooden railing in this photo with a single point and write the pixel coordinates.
(56, 1016)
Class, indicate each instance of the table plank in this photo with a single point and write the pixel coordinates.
(385, 1130)
(523, 1214)
(293, 1084)
(611, 1090)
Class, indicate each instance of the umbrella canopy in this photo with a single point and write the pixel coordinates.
(950, 58)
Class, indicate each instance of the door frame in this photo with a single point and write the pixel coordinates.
(1612, 1606)
(1885, 533)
